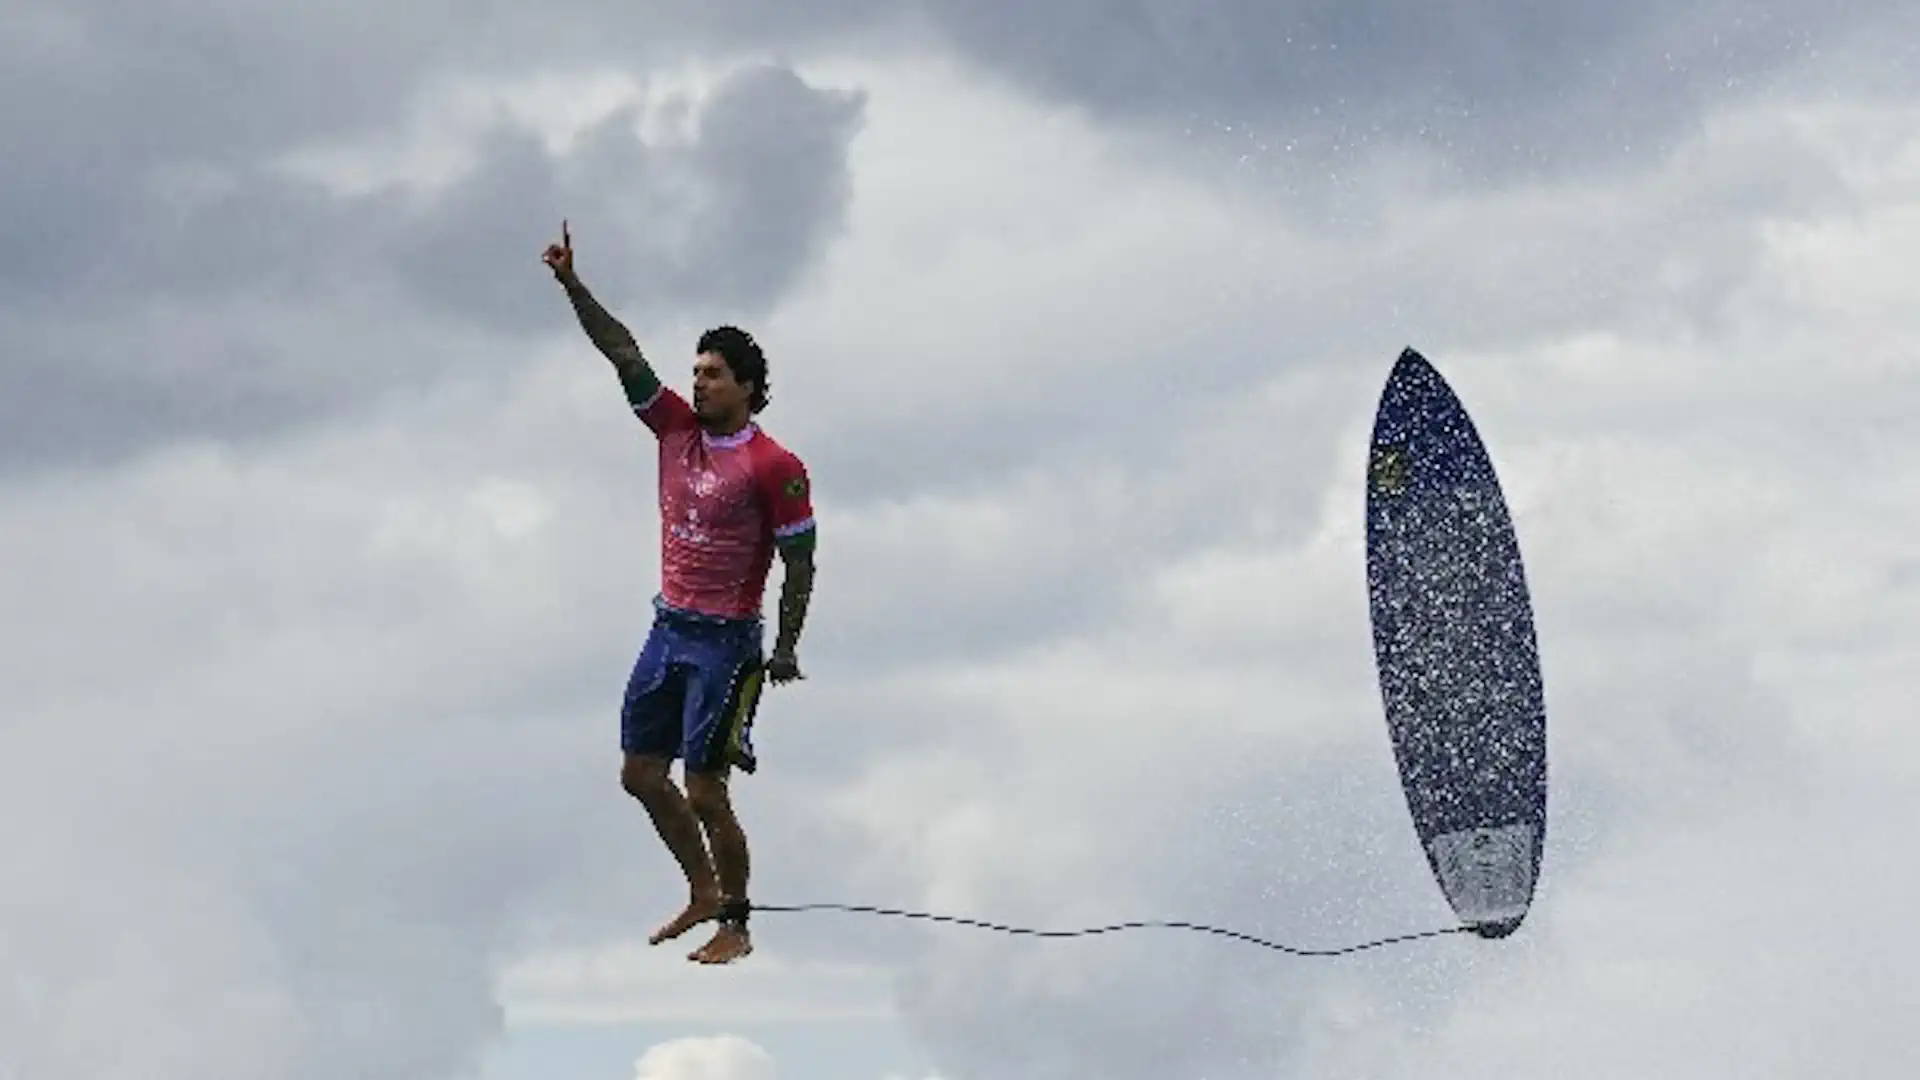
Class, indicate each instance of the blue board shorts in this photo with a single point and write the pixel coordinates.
(694, 690)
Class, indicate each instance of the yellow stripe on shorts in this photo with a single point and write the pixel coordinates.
(749, 693)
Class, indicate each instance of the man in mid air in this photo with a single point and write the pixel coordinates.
(730, 497)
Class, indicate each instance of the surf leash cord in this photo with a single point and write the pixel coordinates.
(1089, 931)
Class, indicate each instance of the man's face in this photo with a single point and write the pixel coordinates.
(716, 394)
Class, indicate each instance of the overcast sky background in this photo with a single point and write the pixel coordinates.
(328, 538)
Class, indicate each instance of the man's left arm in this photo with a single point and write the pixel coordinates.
(796, 536)
(796, 590)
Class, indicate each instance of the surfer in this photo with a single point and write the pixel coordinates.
(730, 498)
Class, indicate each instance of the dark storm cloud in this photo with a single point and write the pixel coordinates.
(769, 167)
(156, 252)
(1498, 85)
(165, 278)
(103, 106)
(1497, 88)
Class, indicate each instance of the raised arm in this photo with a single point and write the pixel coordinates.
(612, 338)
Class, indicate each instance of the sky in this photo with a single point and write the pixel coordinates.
(330, 540)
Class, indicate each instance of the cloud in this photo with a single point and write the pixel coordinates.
(1493, 90)
(313, 733)
(281, 775)
(238, 297)
(1490, 91)
(719, 1057)
(1204, 743)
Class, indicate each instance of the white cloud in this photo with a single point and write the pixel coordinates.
(715, 1057)
(718, 1057)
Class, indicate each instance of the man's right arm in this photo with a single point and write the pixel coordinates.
(637, 377)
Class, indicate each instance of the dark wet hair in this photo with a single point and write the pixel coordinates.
(743, 356)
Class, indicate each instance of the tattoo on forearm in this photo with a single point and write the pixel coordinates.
(796, 588)
(613, 339)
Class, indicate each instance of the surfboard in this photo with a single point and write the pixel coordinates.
(1455, 650)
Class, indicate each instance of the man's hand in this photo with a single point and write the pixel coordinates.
(559, 257)
(783, 667)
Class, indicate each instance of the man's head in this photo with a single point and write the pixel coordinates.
(729, 377)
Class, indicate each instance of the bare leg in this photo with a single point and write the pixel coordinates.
(646, 779)
(713, 806)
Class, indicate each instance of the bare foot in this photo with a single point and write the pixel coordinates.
(698, 910)
(729, 943)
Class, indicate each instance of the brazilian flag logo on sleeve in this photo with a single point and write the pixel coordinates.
(796, 487)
